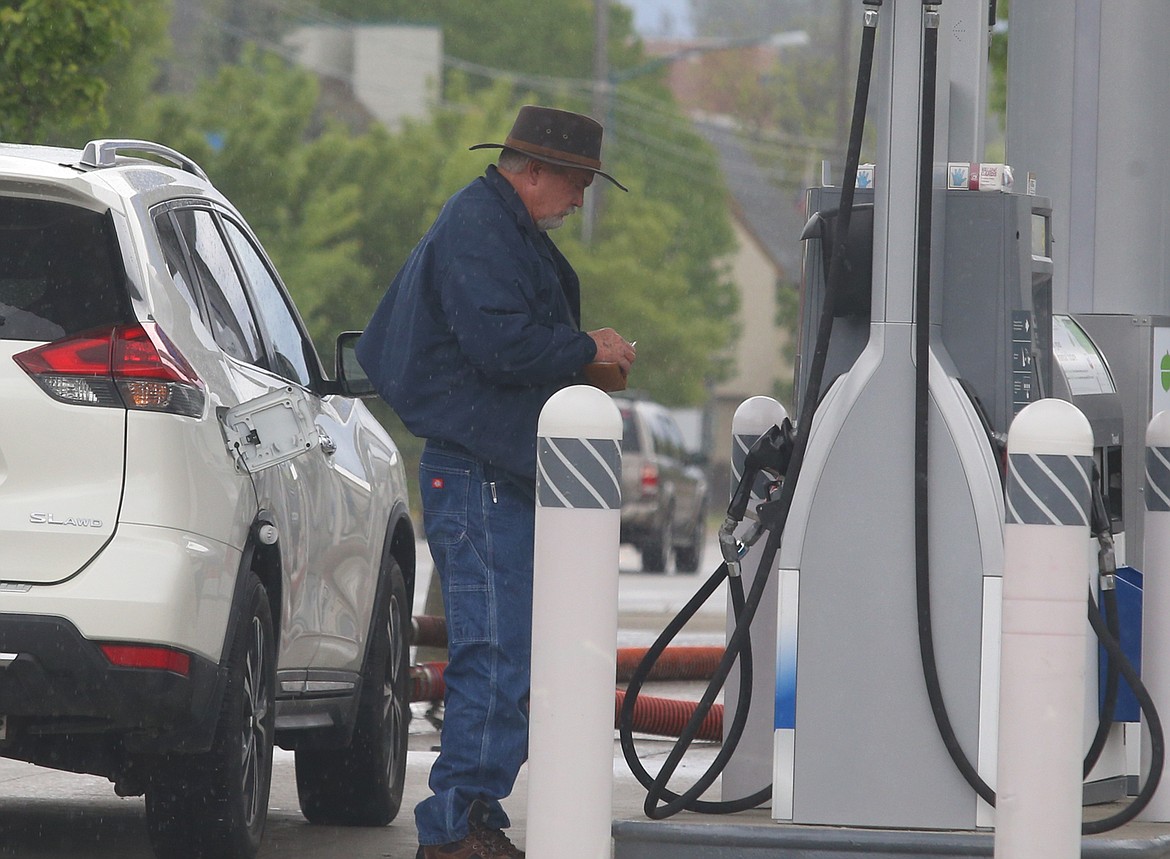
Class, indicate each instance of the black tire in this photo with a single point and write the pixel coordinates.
(361, 784)
(215, 804)
(688, 557)
(656, 554)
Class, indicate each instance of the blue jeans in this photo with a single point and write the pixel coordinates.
(480, 530)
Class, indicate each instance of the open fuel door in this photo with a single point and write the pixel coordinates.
(270, 429)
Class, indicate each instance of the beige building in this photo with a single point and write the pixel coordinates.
(392, 71)
(760, 366)
(767, 221)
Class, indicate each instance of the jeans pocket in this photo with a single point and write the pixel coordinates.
(445, 491)
(466, 593)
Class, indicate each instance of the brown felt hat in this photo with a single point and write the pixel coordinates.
(558, 137)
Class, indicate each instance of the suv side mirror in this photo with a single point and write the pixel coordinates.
(352, 380)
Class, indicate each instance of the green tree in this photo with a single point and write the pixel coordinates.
(212, 33)
(249, 128)
(339, 209)
(997, 97)
(53, 52)
(133, 74)
(546, 38)
(677, 172)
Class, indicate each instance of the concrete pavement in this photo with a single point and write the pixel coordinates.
(44, 813)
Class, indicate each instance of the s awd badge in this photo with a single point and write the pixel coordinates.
(69, 521)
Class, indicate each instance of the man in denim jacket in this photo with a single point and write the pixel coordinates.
(479, 328)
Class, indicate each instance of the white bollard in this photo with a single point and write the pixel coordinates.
(574, 626)
(1156, 598)
(1047, 560)
(750, 768)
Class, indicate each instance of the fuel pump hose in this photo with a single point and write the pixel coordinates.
(744, 609)
(922, 498)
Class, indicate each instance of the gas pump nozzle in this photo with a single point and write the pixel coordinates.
(1102, 530)
(769, 453)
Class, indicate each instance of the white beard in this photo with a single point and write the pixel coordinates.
(555, 221)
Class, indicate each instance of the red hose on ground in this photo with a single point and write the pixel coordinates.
(662, 717)
(426, 681)
(675, 663)
(428, 631)
(665, 717)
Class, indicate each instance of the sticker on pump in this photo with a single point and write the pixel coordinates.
(958, 176)
(972, 176)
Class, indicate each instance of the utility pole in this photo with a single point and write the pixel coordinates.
(592, 208)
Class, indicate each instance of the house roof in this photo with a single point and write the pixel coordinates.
(761, 197)
(764, 198)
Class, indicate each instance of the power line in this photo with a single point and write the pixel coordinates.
(633, 110)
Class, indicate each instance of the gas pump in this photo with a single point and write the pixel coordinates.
(935, 327)
(997, 325)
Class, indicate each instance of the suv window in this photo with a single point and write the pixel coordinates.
(172, 247)
(60, 272)
(289, 348)
(232, 323)
(630, 443)
(667, 439)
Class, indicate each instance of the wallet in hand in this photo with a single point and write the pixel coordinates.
(606, 375)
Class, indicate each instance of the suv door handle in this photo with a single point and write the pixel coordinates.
(328, 445)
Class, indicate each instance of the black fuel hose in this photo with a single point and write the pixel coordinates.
(739, 645)
(922, 416)
(1153, 722)
(656, 785)
(921, 497)
(1102, 529)
(1112, 685)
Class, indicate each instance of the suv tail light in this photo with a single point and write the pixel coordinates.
(132, 366)
(649, 480)
(148, 656)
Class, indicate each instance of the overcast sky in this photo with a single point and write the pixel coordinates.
(661, 17)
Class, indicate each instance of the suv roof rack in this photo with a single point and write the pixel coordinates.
(103, 153)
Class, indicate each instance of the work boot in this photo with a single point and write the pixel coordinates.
(500, 843)
(478, 844)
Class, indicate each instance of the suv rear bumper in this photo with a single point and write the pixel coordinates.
(66, 705)
(149, 584)
(55, 683)
(640, 519)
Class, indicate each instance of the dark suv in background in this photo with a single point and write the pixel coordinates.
(664, 488)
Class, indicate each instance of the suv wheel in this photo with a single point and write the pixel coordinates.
(361, 784)
(216, 803)
(656, 553)
(688, 556)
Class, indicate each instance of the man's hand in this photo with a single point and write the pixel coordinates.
(613, 349)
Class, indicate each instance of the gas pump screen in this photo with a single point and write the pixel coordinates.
(1040, 244)
(1084, 369)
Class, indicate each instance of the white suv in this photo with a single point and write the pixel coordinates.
(205, 546)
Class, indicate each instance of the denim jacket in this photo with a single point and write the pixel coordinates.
(479, 328)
